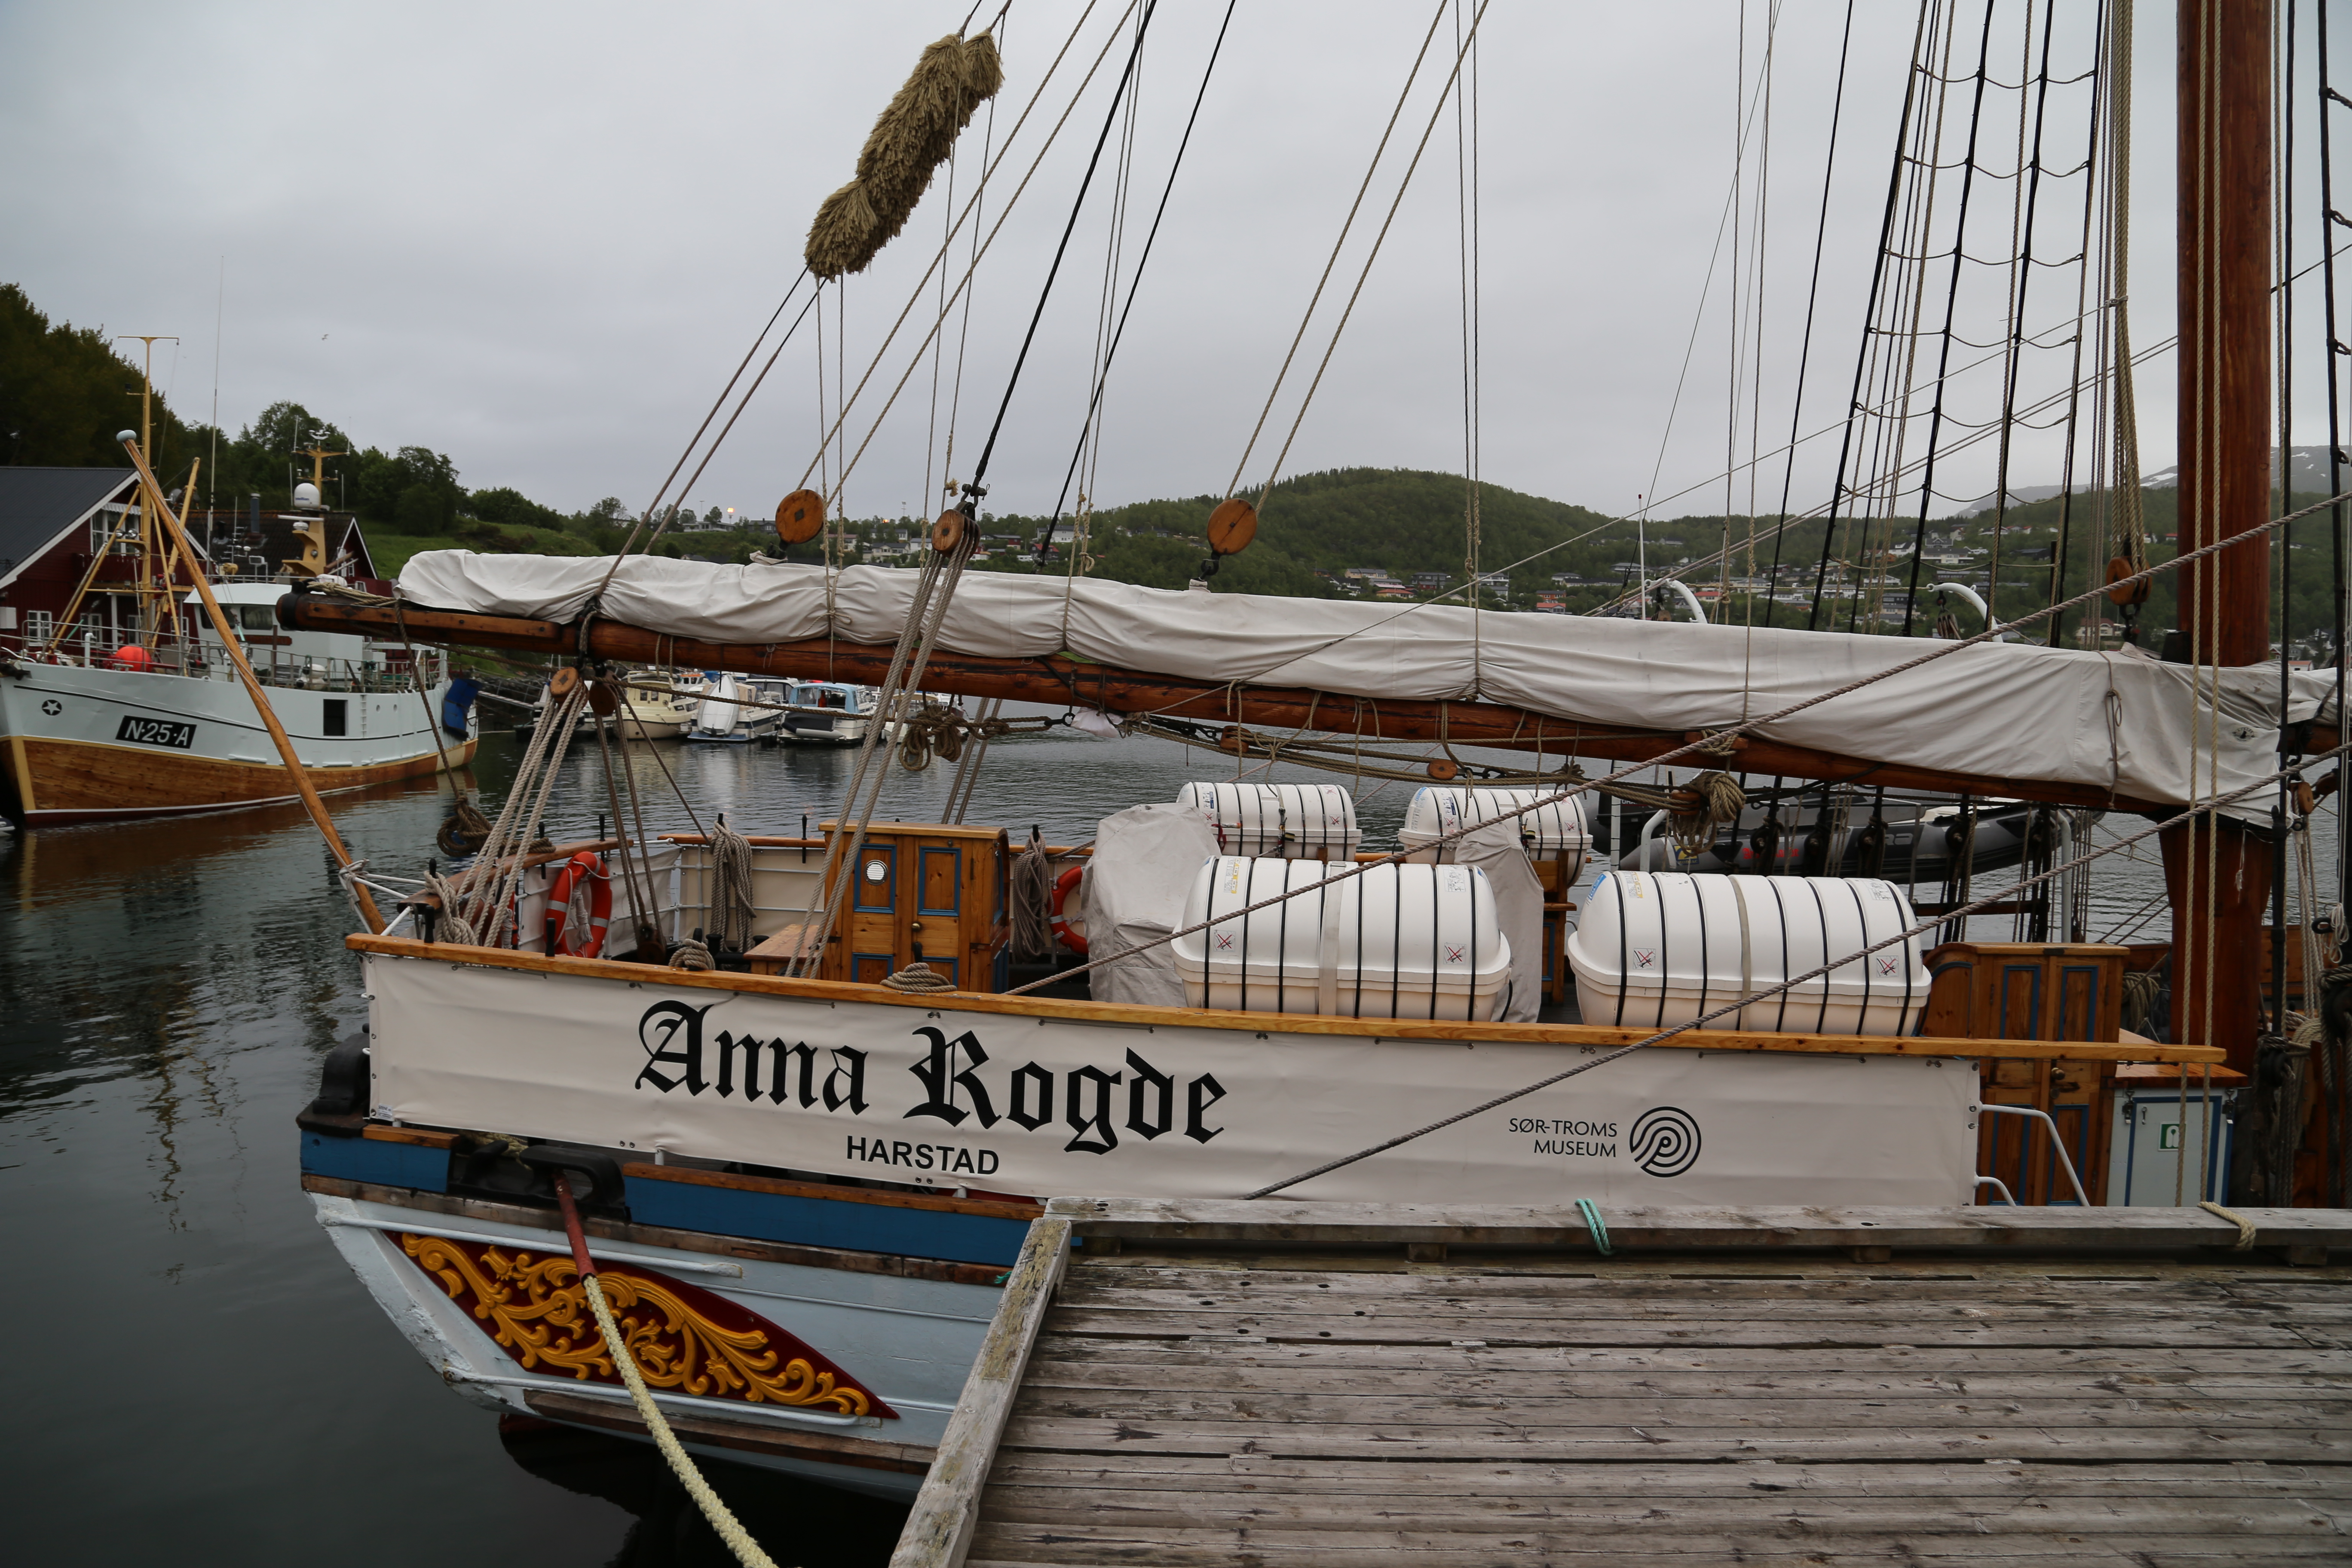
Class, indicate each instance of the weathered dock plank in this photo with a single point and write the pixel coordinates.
(1279, 1384)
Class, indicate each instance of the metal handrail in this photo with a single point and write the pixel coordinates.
(2065, 1160)
(2002, 1187)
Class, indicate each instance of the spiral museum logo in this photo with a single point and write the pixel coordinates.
(1664, 1141)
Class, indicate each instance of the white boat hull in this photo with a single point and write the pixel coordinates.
(83, 744)
(910, 1340)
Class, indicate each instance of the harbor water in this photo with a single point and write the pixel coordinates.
(193, 1369)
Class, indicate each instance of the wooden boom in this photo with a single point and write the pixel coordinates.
(1058, 678)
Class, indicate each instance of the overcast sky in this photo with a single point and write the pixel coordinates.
(539, 238)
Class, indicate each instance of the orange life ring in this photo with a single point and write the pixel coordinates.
(1064, 885)
(591, 864)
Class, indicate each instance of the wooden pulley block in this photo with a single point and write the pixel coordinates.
(2129, 593)
(800, 517)
(562, 683)
(1445, 770)
(947, 532)
(604, 697)
(2304, 799)
(1231, 527)
(1230, 739)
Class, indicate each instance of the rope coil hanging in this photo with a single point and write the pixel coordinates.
(913, 135)
(729, 909)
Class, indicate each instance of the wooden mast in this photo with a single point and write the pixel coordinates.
(232, 649)
(2218, 878)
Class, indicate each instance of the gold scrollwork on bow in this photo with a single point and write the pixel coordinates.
(536, 1307)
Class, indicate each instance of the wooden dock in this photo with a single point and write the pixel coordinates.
(1331, 1385)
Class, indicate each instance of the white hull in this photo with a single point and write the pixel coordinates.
(82, 744)
(910, 1340)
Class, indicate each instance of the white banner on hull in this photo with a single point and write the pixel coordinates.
(1045, 1106)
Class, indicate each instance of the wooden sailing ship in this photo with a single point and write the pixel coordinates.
(806, 1177)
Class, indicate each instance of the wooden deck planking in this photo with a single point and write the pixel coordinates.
(1183, 1405)
(1244, 1474)
(2051, 1330)
(1793, 1543)
(1607, 1508)
(1069, 1352)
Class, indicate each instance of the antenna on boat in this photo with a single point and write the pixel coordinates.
(146, 383)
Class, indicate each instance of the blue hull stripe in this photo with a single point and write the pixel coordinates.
(372, 1160)
(826, 1222)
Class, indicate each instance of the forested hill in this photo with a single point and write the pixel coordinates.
(1401, 521)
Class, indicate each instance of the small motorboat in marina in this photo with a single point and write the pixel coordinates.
(654, 707)
(826, 713)
(651, 706)
(735, 710)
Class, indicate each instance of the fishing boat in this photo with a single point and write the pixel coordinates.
(788, 1102)
(127, 735)
(136, 709)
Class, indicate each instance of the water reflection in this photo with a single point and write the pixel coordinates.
(796, 1521)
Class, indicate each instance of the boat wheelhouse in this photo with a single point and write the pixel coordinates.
(827, 714)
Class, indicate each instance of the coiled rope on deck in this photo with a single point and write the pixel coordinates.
(731, 910)
(1031, 886)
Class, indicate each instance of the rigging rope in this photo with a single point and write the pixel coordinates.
(875, 428)
(1333, 260)
(988, 448)
(1136, 281)
(934, 586)
(1372, 256)
(716, 404)
(1905, 126)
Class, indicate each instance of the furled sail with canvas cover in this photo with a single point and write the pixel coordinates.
(2116, 721)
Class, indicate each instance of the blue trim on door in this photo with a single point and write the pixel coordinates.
(923, 879)
(887, 856)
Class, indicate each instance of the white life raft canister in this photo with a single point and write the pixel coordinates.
(1293, 821)
(1656, 948)
(1394, 941)
(1557, 830)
